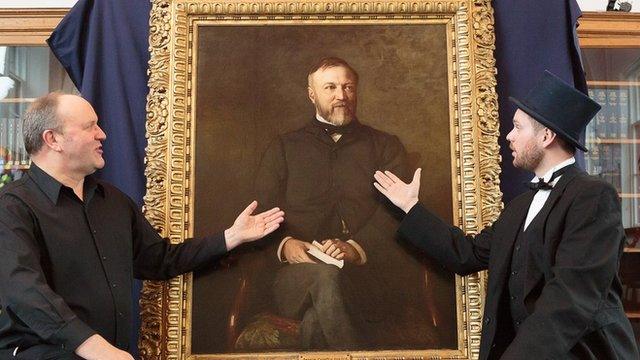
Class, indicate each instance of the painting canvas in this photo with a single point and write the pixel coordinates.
(255, 91)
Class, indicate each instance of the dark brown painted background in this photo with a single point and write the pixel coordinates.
(251, 86)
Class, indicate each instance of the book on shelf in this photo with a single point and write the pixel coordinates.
(22, 156)
(612, 114)
(4, 149)
(12, 148)
(616, 167)
(605, 133)
(624, 112)
(600, 121)
(11, 136)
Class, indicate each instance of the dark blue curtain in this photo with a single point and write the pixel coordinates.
(103, 45)
(532, 36)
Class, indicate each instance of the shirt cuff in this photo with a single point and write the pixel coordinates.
(72, 334)
(360, 250)
(279, 253)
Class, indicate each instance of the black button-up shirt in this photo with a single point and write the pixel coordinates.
(66, 264)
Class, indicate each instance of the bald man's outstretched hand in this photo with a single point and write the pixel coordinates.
(248, 227)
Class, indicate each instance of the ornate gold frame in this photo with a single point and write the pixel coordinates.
(166, 306)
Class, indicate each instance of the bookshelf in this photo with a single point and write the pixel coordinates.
(27, 70)
(610, 44)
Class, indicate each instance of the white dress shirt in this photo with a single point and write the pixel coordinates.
(542, 195)
(335, 137)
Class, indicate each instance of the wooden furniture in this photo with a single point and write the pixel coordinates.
(610, 44)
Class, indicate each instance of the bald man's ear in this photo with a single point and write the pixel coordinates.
(51, 140)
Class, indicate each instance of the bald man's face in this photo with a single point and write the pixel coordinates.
(81, 143)
(334, 93)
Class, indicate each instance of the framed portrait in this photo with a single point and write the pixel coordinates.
(233, 117)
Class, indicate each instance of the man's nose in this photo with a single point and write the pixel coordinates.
(101, 134)
(340, 93)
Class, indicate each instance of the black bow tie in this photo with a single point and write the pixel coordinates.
(544, 185)
(332, 129)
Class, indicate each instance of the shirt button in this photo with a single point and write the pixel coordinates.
(513, 297)
(517, 247)
(514, 272)
(518, 323)
(104, 258)
(114, 285)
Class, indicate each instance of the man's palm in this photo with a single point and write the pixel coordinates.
(401, 194)
(252, 227)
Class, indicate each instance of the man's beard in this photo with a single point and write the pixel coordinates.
(529, 158)
(338, 116)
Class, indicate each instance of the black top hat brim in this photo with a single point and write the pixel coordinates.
(541, 119)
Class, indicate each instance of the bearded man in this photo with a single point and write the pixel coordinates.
(554, 252)
(321, 176)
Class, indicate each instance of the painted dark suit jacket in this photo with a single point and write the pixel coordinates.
(576, 311)
(325, 188)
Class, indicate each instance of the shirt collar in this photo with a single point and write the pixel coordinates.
(548, 174)
(52, 187)
(322, 120)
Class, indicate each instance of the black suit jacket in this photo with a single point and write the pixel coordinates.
(576, 311)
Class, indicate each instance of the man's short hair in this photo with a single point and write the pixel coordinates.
(329, 62)
(39, 117)
(537, 126)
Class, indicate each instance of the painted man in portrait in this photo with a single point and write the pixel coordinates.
(321, 176)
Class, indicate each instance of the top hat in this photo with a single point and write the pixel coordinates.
(560, 107)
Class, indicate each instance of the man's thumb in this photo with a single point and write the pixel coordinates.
(416, 176)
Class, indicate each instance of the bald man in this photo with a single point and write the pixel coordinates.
(71, 244)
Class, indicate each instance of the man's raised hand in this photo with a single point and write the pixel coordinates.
(398, 192)
(248, 227)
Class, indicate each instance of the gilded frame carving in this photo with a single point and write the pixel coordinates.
(165, 307)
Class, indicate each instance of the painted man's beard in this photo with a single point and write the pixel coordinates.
(338, 115)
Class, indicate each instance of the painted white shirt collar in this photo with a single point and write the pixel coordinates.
(322, 120)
